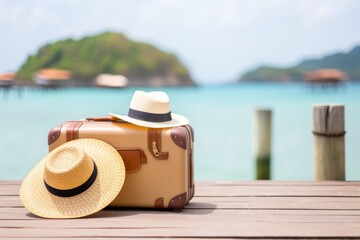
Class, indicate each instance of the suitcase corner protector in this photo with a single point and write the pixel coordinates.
(178, 202)
(54, 134)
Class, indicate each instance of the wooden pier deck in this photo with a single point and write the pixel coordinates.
(253, 209)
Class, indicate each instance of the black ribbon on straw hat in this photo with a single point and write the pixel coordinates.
(150, 117)
(73, 191)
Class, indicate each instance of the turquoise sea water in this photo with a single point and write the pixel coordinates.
(222, 117)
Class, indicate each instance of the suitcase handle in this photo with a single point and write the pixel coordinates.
(104, 119)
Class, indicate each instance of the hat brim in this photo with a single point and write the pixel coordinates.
(109, 181)
(176, 120)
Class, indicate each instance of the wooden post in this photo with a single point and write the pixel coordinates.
(329, 142)
(263, 143)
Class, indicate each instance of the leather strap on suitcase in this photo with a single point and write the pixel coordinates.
(154, 144)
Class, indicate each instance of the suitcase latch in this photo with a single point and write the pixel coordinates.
(154, 144)
(155, 150)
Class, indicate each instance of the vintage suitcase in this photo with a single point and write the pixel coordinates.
(159, 162)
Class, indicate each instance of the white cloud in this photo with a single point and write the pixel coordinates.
(324, 12)
(16, 12)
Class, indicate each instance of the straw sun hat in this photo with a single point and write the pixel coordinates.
(76, 179)
(152, 109)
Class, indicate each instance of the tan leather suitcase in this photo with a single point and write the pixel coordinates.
(159, 162)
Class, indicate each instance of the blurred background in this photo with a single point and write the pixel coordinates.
(218, 61)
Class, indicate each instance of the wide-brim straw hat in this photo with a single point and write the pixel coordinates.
(76, 179)
(152, 109)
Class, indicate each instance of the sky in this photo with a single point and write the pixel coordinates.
(217, 40)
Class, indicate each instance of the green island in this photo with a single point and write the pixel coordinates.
(349, 63)
(111, 53)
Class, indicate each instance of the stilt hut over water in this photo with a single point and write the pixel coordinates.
(7, 79)
(111, 81)
(325, 77)
(52, 77)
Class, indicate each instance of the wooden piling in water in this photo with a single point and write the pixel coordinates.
(263, 143)
(329, 142)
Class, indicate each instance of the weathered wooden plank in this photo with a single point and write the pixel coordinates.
(247, 183)
(277, 183)
(234, 229)
(10, 182)
(260, 188)
(228, 190)
(305, 203)
(10, 201)
(300, 203)
(113, 216)
(123, 238)
(9, 190)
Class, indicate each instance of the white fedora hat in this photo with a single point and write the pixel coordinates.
(152, 109)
